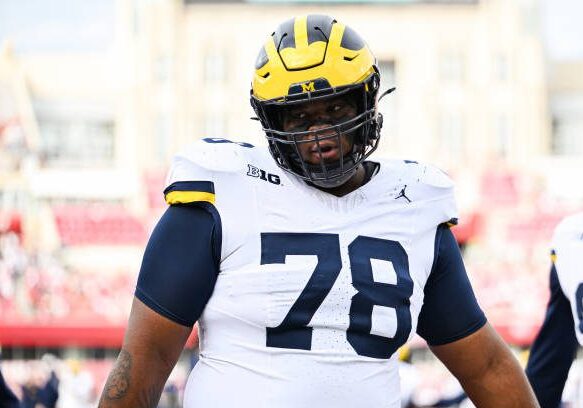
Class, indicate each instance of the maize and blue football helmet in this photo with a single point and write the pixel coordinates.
(311, 58)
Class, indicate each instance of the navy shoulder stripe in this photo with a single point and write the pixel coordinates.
(185, 192)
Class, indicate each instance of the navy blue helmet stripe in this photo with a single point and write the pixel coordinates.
(319, 27)
(351, 40)
(285, 36)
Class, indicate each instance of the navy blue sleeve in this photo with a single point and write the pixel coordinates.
(554, 348)
(7, 397)
(450, 402)
(181, 262)
(450, 310)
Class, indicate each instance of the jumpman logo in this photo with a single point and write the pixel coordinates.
(402, 194)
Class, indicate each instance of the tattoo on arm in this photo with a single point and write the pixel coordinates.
(118, 385)
(118, 382)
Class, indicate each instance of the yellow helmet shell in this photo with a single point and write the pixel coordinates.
(310, 51)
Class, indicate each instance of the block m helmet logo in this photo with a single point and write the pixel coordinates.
(308, 87)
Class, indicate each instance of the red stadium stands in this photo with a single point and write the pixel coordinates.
(500, 188)
(154, 182)
(98, 225)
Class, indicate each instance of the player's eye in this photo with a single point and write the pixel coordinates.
(337, 108)
(300, 115)
(296, 121)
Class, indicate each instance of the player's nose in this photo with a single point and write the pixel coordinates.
(319, 125)
(317, 131)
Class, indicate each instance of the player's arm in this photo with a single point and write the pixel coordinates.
(177, 277)
(487, 370)
(458, 334)
(150, 350)
(554, 348)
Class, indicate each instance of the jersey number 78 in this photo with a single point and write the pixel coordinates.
(294, 333)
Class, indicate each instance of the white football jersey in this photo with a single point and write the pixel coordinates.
(568, 259)
(315, 292)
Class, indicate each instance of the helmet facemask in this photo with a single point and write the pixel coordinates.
(362, 132)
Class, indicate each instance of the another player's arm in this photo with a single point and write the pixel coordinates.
(554, 348)
(458, 334)
(7, 397)
(176, 280)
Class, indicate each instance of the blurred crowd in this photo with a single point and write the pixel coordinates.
(73, 383)
(38, 287)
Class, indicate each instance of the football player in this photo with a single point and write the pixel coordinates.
(554, 348)
(7, 397)
(305, 264)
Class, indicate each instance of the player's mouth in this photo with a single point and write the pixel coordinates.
(327, 149)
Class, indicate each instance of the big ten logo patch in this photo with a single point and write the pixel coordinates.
(262, 174)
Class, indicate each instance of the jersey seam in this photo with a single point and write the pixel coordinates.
(437, 243)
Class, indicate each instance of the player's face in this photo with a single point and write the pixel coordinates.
(318, 117)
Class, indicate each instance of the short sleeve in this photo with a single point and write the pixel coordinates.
(553, 349)
(181, 263)
(450, 310)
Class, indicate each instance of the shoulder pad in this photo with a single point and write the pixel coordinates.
(430, 186)
(569, 229)
(567, 251)
(217, 154)
(434, 176)
(425, 179)
(195, 170)
(188, 183)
